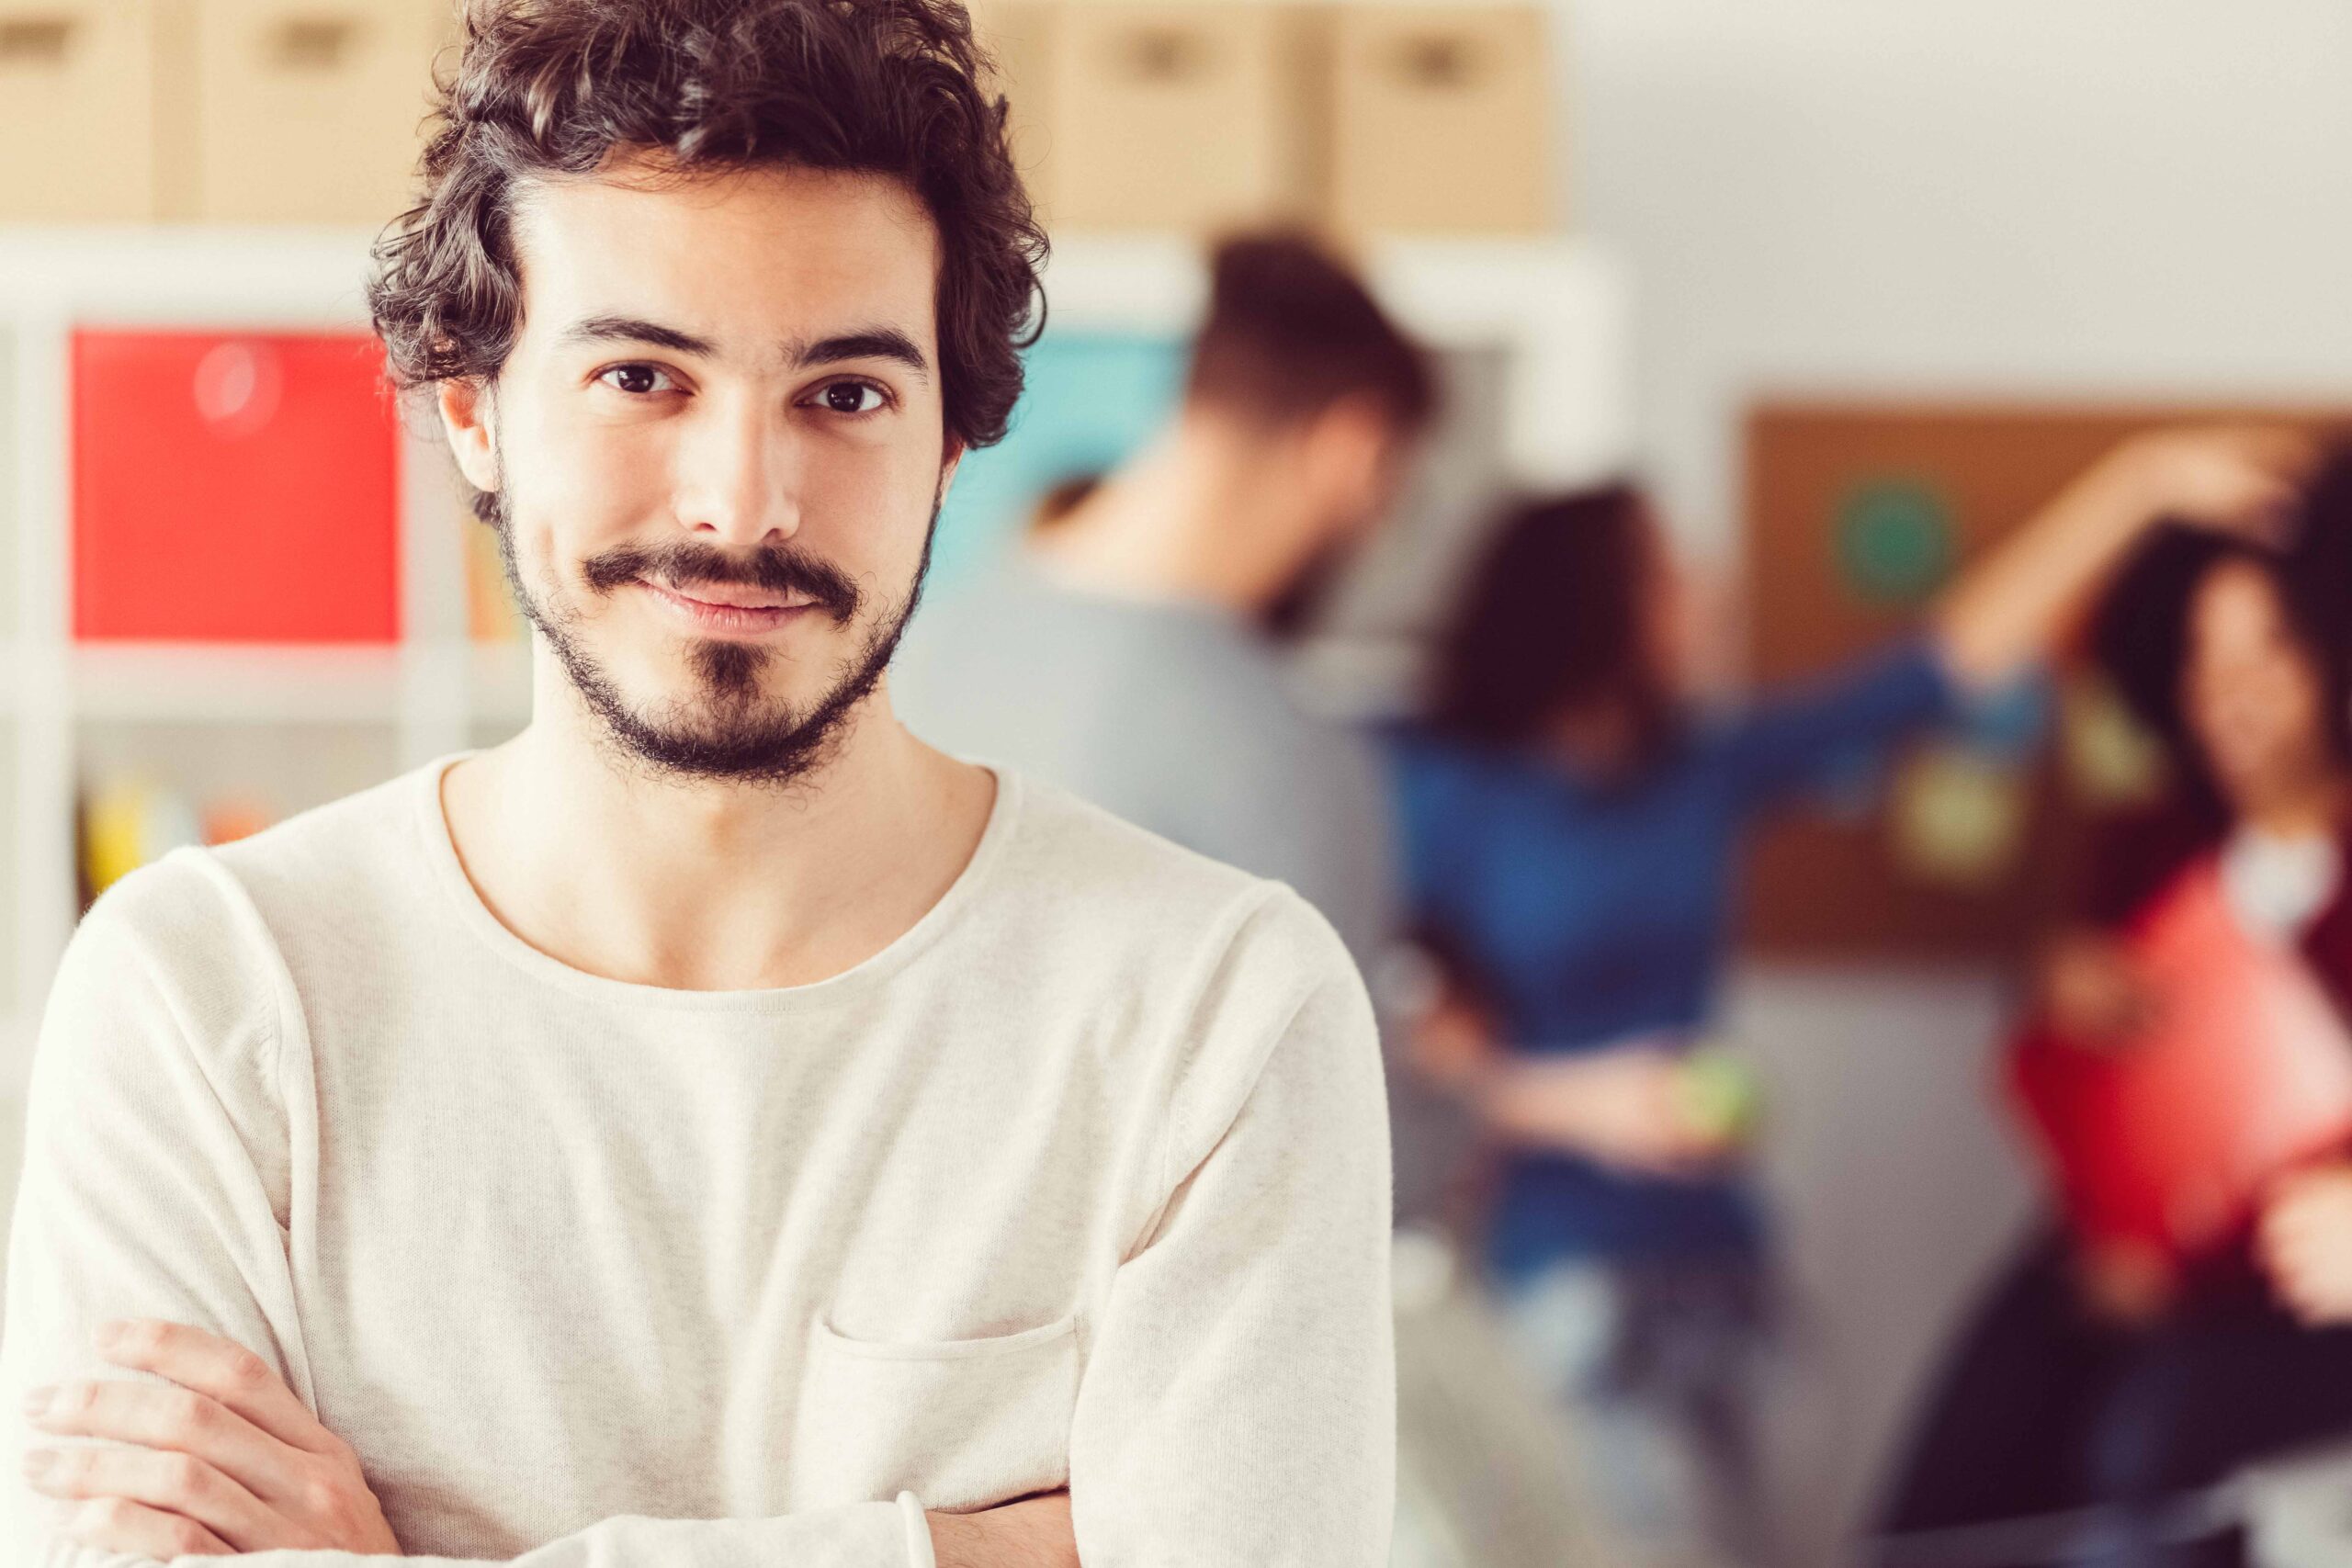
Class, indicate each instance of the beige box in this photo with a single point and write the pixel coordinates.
(1180, 115)
(312, 110)
(1018, 37)
(1439, 119)
(77, 109)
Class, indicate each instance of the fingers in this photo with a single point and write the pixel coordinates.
(2303, 1238)
(2305, 1285)
(2285, 451)
(169, 1484)
(174, 1419)
(2245, 480)
(116, 1524)
(227, 1371)
(2288, 451)
(1033, 1530)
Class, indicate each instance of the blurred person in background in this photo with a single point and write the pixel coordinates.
(1131, 649)
(2100, 1376)
(1572, 828)
(1127, 650)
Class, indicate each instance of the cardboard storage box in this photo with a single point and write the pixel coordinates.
(1440, 121)
(1018, 36)
(78, 109)
(312, 110)
(1182, 116)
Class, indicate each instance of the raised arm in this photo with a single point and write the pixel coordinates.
(1238, 1404)
(2007, 612)
(155, 1187)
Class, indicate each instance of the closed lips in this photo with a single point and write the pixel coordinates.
(722, 596)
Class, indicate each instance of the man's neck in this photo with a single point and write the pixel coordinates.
(1201, 515)
(700, 885)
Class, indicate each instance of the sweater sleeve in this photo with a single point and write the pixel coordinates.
(1238, 1404)
(156, 1184)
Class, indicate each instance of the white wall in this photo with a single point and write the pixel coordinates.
(2138, 195)
(2143, 198)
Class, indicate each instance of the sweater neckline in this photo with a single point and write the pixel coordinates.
(432, 824)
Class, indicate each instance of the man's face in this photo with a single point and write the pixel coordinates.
(718, 445)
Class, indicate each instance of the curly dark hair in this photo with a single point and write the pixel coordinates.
(2140, 634)
(551, 88)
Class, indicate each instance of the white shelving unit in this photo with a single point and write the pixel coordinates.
(409, 701)
(1555, 310)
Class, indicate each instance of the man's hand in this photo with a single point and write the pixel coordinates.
(2303, 1240)
(1031, 1533)
(226, 1461)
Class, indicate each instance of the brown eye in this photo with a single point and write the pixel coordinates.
(637, 380)
(852, 397)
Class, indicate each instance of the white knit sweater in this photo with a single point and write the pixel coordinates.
(1083, 1180)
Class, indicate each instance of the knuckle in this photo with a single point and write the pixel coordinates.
(112, 1514)
(74, 1470)
(193, 1415)
(187, 1537)
(185, 1476)
(321, 1499)
(247, 1370)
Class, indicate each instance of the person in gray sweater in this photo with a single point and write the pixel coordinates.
(1129, 649)
(1125, 649)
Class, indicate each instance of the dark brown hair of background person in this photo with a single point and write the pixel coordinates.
(553, 89)
(2139, 635)
(1553, 623)
(1291, 332)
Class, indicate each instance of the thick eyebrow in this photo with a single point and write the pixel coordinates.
(874, 342)
(630, 329)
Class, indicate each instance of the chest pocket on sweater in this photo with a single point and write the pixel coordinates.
(962, 1424)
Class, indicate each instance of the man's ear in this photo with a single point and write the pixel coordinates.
(1351, 428)
(1344, 448)
(467, 416)
(949, 462)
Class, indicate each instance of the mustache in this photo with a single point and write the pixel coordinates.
(682, 563)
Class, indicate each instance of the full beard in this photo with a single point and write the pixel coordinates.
(724, 729)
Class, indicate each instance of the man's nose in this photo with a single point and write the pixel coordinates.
(739, 476)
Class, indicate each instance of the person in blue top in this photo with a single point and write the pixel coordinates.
(1572, 830)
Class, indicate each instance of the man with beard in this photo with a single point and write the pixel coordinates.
(1130, 653)
(712, 1128)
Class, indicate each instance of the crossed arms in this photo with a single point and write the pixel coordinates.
(1236, 1403)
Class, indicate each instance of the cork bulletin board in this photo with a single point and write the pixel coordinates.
(1964, 846)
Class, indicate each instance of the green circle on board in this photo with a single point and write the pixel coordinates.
(1896, 539)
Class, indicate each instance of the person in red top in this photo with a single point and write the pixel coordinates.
(2094, 1397)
